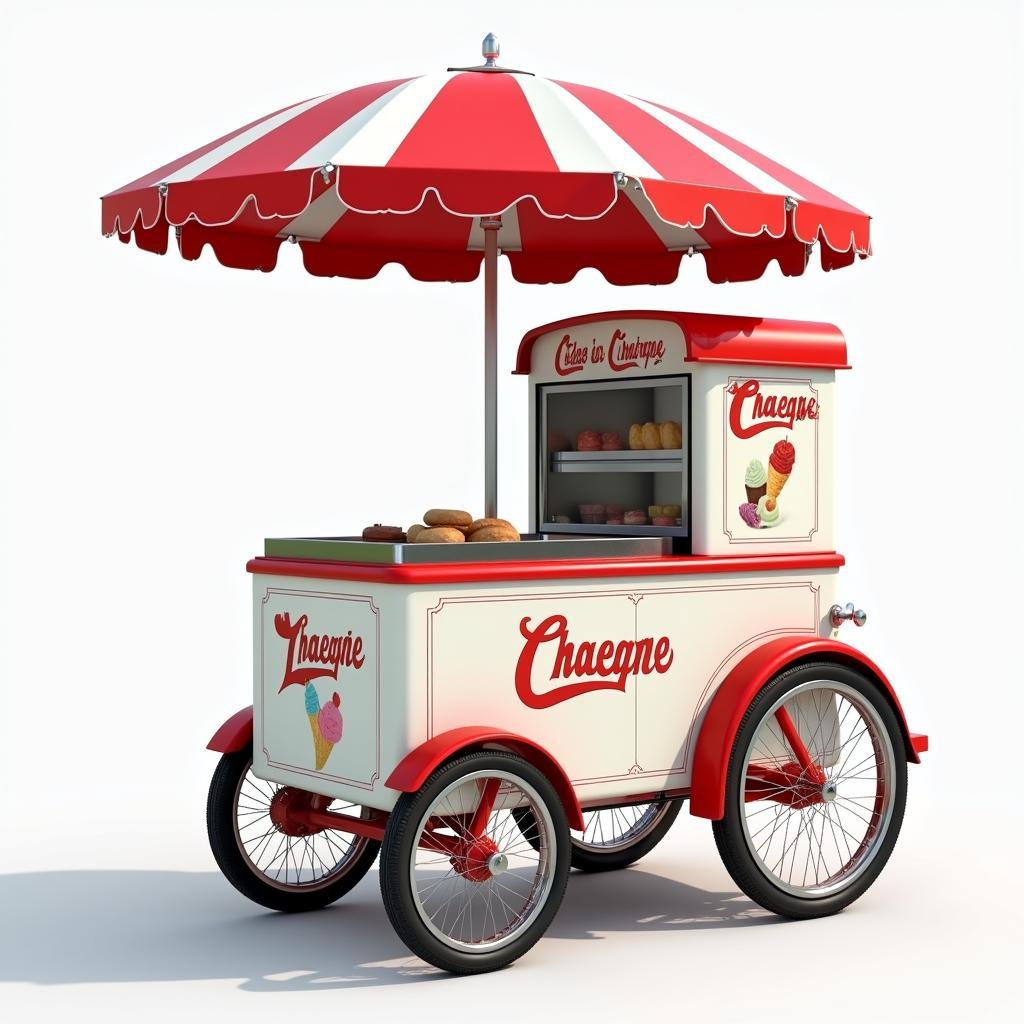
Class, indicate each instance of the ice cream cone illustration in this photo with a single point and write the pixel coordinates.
(756, 481)
(324, 723)
(780, 465)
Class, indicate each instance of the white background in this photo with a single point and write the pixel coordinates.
(159, 418)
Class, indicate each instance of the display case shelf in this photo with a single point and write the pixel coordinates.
(656, 461)
(606, 530)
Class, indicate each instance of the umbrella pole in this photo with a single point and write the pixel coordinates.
(490, 227)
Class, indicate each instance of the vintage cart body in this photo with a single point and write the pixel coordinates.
(618, 660)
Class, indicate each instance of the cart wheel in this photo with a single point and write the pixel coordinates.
(815, 791)
(615, 837)
(464, 889)
(284, 872)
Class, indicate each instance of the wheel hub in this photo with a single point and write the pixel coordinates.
(478, 860)
(288, 806)
(829, 791)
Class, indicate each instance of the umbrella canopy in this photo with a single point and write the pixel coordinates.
(413, 170)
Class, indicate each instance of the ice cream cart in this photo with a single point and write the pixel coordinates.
(488, 704)
(666, 631)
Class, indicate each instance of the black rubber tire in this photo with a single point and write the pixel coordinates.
(728, 831)
(614, 859)
(237, 869)
(400, 838)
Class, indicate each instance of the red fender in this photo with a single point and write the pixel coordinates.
(738, 689)
(412, 771)
(235, 734)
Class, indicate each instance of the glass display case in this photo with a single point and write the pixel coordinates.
(614, 458)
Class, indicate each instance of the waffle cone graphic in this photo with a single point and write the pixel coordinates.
(776, 481)
(321, 747)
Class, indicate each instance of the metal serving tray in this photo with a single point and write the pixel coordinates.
(532, 546)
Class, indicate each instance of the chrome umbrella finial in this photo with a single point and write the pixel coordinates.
(491, 50)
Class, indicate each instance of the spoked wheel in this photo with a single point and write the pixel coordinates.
(615, 837)
(815, 793)
(465, 889)
(272, 862)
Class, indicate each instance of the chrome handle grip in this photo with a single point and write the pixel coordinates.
(839, 615)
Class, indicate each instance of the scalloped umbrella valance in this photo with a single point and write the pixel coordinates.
(438, 171)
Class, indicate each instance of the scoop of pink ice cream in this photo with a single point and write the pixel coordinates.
(330, 720)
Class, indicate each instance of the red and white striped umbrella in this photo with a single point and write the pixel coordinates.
(412, 170)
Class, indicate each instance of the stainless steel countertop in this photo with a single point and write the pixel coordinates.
(532, 546)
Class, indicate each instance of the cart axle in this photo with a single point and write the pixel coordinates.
(789, 784)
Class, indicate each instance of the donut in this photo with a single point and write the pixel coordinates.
(440, 535)
(503, 534)
(651, 436)
(611, 442)
(447, 517)
(482, 524)
(664, 521)
(636, 438)
(413, 531)
(395, 534)
(588, 441)
(635, 517)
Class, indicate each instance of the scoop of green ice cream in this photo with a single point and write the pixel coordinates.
(756, 475)
(768, 516)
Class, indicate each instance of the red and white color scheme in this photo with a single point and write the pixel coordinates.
(755, 383)
(609, 667)
(431, 699)
(476, 721)
(403, 171)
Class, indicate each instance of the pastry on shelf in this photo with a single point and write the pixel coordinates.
(451, 517)
(440, 535)
(671, 435)
(394, 534)
(651, 436)
(492, 530)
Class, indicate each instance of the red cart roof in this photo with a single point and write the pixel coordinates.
(713, 338)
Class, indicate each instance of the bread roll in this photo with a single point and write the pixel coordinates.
(413, 530)
(636, 437)
(671, 434)
(504, 534)
(651, 436)
(447, 517)
(440, 535)
(480, 524)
